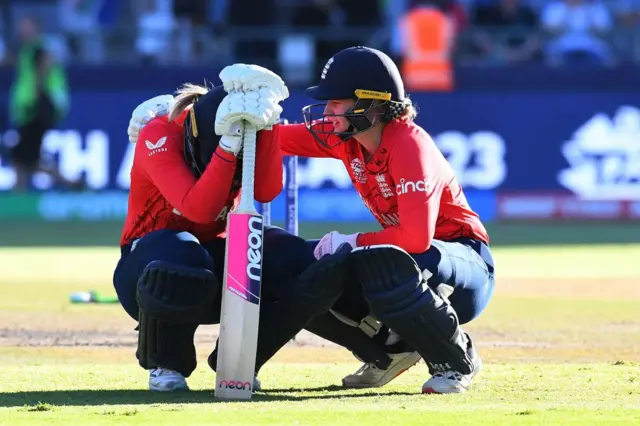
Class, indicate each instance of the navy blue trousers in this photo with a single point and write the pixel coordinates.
(285, 257)
(466, 266)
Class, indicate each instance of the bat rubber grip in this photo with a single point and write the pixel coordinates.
(248, 169)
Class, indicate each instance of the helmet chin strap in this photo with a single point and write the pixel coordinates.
(347, 133)
(359, 125)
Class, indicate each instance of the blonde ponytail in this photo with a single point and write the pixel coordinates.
(186, 96)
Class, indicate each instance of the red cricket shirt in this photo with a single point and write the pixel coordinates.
(407, 184)
(165, 194)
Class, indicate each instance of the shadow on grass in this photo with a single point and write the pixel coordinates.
(140, 397)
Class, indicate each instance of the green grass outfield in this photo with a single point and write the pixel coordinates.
(38, 233)
(560, 341)
(85, 394)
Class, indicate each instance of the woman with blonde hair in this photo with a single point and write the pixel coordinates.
(185, 179)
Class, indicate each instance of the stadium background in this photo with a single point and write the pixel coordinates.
(549, 155)
(546, 154)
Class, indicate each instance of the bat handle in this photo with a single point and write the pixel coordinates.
(247, 197)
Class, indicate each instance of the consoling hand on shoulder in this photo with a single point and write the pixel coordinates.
(147, 111)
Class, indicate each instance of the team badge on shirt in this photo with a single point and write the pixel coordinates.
(359, 172)
(385, 190)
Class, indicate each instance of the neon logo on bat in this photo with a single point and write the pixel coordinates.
(254, 253)
(245, 256)
(235, 384)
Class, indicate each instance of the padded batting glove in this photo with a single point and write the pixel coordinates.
(232, 140)
(254, 95)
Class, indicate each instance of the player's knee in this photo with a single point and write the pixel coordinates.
(176, 248)
(174, 299)
(429, 263)
(391, 280)
(191, 252)
(400, 299)
(181, 248)
(176, 293)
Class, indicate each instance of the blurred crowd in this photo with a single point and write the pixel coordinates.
(293, 37)
(491, 32)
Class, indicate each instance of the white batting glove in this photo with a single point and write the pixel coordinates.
(261, 111)
(248, 78)
(147, 111)
(254, 95)
(232, 140)
(332, 241)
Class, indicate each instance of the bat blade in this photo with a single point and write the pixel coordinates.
(240, 310)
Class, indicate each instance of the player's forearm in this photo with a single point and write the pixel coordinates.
(412, 242)
(206, 199)
(416, 225)
(295, 139)
(268, 168)
(267, 189)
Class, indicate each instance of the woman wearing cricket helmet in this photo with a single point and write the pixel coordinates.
(184, 181)
(366, 121)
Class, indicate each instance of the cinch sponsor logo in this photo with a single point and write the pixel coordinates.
(406, 186)
(235, 384)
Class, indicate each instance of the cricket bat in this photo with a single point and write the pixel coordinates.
(240, 312)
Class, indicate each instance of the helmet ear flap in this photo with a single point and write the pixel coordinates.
(357, 115)
(368, 112)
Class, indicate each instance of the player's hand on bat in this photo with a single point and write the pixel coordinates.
(147, 111)
(254, 95)
(332, 241)
(232, 140)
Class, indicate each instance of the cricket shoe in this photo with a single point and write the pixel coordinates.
(165, 380)
(449, 381)
(370, 376)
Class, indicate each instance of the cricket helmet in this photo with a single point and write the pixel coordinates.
(368, 76)
(200, 138)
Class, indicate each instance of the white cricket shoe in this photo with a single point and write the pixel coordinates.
(370, 376)
(450, 381)
(165, 380)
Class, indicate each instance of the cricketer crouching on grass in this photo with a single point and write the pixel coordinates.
(185, 179)
(397, 295)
